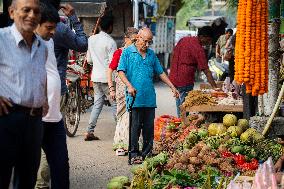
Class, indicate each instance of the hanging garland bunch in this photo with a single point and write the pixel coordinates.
(251, 52)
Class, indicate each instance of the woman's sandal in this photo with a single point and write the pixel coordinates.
(137, 160)
(120, 152)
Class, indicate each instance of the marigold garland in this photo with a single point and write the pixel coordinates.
(251, 54)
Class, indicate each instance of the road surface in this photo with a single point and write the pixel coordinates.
(94, 163)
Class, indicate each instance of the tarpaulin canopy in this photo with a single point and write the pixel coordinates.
(88, 8)
(199, 22)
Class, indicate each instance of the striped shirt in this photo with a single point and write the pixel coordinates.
(22, 70)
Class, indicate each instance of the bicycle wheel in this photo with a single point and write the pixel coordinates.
(72, 109)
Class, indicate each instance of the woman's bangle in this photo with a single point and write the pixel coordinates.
(112, 91)
(111, 87)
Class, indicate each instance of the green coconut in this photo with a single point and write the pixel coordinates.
(202, 133)
(237, 149)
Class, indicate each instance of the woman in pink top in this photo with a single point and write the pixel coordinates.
(117, 93)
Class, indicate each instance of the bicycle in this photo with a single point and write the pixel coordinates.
(80, 92)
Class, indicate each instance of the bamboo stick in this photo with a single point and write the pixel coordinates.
(276, 107)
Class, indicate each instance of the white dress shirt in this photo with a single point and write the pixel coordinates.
(22, 69)
(100, 51)
(53, 86)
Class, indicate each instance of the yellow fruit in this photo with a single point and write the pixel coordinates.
(230, 120)
(246, 137)
(257, 137)
(243, 123)
(251, 130)
(234, 131)
(216, 129)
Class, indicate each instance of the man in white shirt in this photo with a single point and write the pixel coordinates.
(54, 136)
(100, 51)
(22, 95)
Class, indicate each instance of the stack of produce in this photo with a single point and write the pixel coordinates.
(251, 52)
(164, 126)
(178, 135)
(197, 97)
(198, 158)
(205, 155)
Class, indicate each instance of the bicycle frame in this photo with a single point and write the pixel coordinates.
(77, 67)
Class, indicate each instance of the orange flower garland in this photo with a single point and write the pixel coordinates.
(251, 54)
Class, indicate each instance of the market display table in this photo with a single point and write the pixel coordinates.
(210, 109)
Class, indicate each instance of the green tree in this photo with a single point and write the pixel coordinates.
(190, 9)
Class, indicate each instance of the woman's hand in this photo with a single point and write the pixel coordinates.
(112, 95)
(278, 165)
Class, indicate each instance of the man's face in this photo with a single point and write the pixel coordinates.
(110, 30)
(26, 15)
(228, 35)
(46, 30)
(143, 42)
(205, 40)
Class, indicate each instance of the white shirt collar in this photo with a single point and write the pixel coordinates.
(19, 38)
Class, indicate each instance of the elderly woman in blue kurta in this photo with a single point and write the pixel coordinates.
(137, 67)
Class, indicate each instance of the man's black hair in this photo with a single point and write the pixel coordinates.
(206, 31)
(230, 31)
(106, 22)
(54, 3)
(48, 13)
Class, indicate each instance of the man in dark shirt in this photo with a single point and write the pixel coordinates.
(188, 55)
(66, 39)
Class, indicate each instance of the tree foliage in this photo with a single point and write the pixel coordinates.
(232, 6)
(190, 9)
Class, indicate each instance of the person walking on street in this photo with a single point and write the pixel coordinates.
(188, 55)
(54, 135)
(120, 142)
(137, 67)
(100, 52)
(23, 99)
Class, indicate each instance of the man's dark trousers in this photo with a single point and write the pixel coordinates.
(142, 120)
(20, 148)
(55, 148)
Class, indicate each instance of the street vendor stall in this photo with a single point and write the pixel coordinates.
(205, 155)
(208, 101)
